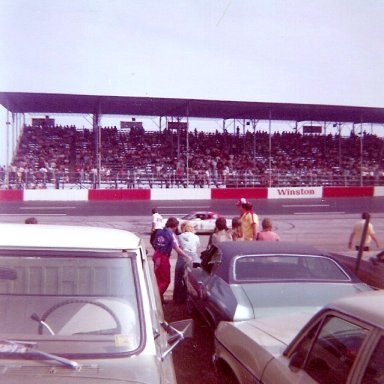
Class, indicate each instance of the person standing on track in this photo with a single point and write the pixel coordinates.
(249, 219)
(157, 225)
(237, 232)
(165, 241)
(266, 234)
(357, 233)
(189, 243)
(220, 233)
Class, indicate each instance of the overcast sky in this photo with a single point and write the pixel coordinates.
(299, 51)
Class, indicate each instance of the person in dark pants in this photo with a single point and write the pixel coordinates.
(157, 225)
(190, 243)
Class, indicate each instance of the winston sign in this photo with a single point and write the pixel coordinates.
(295, 192)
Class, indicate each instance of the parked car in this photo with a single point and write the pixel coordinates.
(241, 280)
(78, 304)
(203, 221)
(343, 343)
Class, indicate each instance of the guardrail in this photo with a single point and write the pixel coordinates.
(174, 194)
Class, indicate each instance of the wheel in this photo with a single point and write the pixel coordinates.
(225, 374)
(75, 301)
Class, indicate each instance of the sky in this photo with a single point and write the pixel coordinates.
(294, 51)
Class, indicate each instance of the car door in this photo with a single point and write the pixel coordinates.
(198, 278)
(373, 372)
(328, 352)
(197, 221)
(155, 315)
(210, 222)
(216, 296)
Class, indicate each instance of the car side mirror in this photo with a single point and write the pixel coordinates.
(296, 361)
(177, 331)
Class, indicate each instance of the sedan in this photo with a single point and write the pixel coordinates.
(241, 280)
(79, 305)
(342, 343)
(203, 221)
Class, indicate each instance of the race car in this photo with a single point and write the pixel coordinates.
(203, 221)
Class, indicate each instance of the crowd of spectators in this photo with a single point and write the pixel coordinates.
(139, 159)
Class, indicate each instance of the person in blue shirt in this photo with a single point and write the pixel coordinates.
(165, 241)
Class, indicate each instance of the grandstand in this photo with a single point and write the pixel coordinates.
(54, 156)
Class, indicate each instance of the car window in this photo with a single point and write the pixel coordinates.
(334, 351)
(374, 374)
(190, 216)
(79, 297)
(287, 267)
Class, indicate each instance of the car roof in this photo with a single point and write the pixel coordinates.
(231, 249)
(367, 306)
(39, 236)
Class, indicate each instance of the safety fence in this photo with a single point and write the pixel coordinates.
(189, 194)
(276, 179)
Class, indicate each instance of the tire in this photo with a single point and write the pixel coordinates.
(225, 374)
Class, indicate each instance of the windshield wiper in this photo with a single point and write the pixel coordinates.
(26, 347)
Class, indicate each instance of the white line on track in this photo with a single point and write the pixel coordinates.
(304, 205)
(319, 213)
(189, 207)
(36, 214)
(33, 208)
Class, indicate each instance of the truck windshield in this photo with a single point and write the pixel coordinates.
(70, 304)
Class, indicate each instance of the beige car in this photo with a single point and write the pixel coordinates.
(343, 343)
(78, 305)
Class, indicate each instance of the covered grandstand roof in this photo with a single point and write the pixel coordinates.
(21, 102)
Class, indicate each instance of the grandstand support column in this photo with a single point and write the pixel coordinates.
(187, 154)
(244, 138)
(254, 124)
(270, 147)
(361, 153)
(6, 181)
(97, 133)
(13, 141)
(178, 138)
(339, 130)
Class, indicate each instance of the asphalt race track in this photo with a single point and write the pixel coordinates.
(321, 222)
(325, 223)
(226, 207)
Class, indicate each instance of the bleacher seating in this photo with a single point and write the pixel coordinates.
(55, 157)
